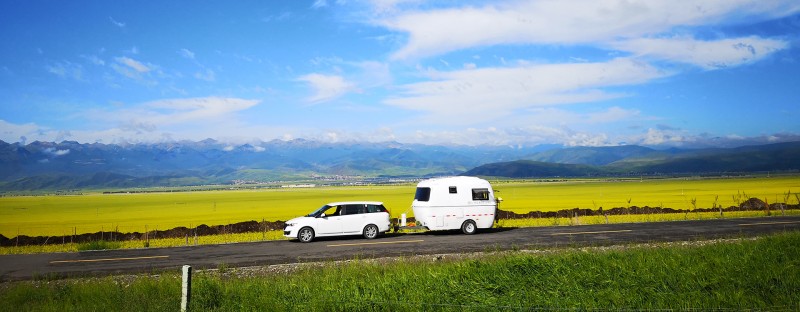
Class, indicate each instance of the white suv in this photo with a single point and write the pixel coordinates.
(341, 218)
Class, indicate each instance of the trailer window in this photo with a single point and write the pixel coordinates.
(453, 190)
(423, 194)
(480, 194)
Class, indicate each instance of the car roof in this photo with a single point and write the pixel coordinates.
(355, 203)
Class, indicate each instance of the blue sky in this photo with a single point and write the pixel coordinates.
(589, 73)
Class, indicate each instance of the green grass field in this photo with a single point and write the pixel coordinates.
(734, 275)
(63, 215)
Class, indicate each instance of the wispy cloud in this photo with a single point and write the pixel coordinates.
(714, 54)
(133, 64)
(133, 69)
(186, 53)
(326, 87)
(474, 95)
(94, 60)
(181, 118)
(319, 4)
(206, 75)
(441, 31)
(56, 152)
(116, 23)
(174, 111)
(66, 69)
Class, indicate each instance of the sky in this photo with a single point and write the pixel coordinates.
(505, 73)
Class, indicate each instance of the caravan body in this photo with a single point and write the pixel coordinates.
(466, 203)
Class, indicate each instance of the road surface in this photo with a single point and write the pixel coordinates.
(21, 267)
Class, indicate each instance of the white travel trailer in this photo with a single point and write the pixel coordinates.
(466, 203)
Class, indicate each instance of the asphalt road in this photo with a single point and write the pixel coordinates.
(21, 267)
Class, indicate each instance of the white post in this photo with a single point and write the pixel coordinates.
(186, 288)
(403, 219)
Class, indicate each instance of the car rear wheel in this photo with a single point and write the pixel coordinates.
(370, 231)
(468, 227)
(305, 234)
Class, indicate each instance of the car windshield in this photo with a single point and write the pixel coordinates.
(318, 212)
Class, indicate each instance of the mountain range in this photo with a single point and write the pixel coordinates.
(73, 165)
(638, 160)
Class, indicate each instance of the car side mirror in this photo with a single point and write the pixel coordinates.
(322, 215)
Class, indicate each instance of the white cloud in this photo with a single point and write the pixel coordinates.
(10, 132)
(613, 114)
(166, 112)
(706, 54)
(66, 69)
(373, 74)
(207, 75)
(474, 95)
(527, 135)
(56, 152)
(556, 117)
(116, 23)
(94, 59)
(389, 6)
(133, 64)
(134, 69)
(326, 87)
(441, 31)
(319, 4)
(659, 137)
(186, 53)
(190, 118)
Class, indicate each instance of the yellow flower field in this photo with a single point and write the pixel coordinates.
(91, 213)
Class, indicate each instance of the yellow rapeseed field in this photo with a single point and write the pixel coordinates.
(90, 213)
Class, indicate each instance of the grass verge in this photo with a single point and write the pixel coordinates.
(744, 274)
(99, 245)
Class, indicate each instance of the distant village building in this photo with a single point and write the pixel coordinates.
(298, 185)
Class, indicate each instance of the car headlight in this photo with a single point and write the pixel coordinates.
(291, 224)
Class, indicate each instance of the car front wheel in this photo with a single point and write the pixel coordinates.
(468, 227)
(305, 235)
(370, 231)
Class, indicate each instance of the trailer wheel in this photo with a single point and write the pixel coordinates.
(468, 227)
(305, 234)
(370, 231)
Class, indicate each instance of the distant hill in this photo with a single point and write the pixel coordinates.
(583, 161)
(68, 165)
(773, 157)
(71, 165)
(596, 156)
(529, 168)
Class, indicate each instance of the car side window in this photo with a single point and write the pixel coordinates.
(352, 209)
(375, 208)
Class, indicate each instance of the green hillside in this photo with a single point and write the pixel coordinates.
(781, 157)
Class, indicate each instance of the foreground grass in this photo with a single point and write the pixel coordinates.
(746, 274)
